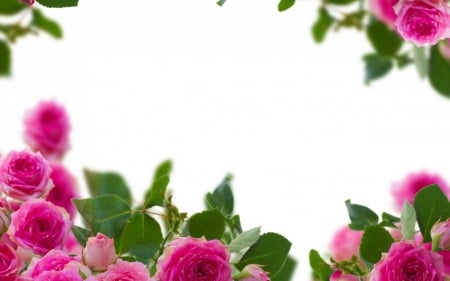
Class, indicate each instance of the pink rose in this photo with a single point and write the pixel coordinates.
(423, 22)
(407, 189)
(406, 261)
(55, 260)
(338, 275)
(64, 275)
(47, 129)
(40, 226)
(384, 11)
(124, 271)
(65, 189)
(187, 259)
(440, 235)
(72, 246)
(10, 262)
(253, 272)
(99, 252)
(28, 2)
(25, 175)
(345, 243)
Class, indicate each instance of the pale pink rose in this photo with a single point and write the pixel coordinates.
(99, 252)
(187, 259)
(406, 189)
(28, 2)
(444, 48)
(40, 226)
(10, 262)
(47, 129)
(338, 275)
(124, 271)
(440, 235)
(406, 261)
(64, 190)
(384, 11)
(424, 22)
(64, 275)
(25, 175)
(345, 243)
(253, 272)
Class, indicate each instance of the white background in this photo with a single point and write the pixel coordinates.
(240, 89)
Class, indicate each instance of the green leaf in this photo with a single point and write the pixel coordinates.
(384, 40)
(141, 237)
(157, 192)
(376, 67)
(221, 2)
(58, 3)
(81, 234)
(431, 206)
(323, 23)
(421, 61)
(360, 216)
(408, 221)
(5, 59)
(222, 197)
(107, 214)
(389, 220)
(284, 5)
(244, 240)
(439, 72)
(339, 2)
(210, 224)
(48, 25)
(287, 272)
(100, 183)
(270, 251)
(11, 7)
(403, 60)
(163, 169)
(319, 266)
(375, 241)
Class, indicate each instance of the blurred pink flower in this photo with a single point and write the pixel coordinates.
(64, 190)
(345, 243)
(407, 189)
(384, 11)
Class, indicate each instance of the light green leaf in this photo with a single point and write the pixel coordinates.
(244, 240)
(375, 241)
(421, 61)
(48, 25)
(100, 183)
(408, 221)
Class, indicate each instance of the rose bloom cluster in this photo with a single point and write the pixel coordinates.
(424, 22)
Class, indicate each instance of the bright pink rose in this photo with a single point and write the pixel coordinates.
(187, 259)
(40, 226)
(345, 243)
(406, 261)
(338, 275)
(25, 175)
(64, 275)
(72, 246)
(423, 22)
(10, 262)
(384, 11)
(253, 272)
(47, 129)
(55, 260)
(440, 235)
(407, 189)
(28, 2)
(99, 252)
(124, 271)
(65, 189)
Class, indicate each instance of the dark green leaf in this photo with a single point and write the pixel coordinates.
(221, 2)
(81, 234)
(431, 206)
(283, 5)
(141, 237)
(58, 3)
(319, 266)
(100, 183)
(389, 220)
(222, 197)
(323, 23)
(5, 59)
(403, 60)
(340, 2)
(163, 169)
(11, 7)
(439, 72)
(270, 251)
(360, 216)
(157, 192)
(408, 221)
(375, 241)
(210, 224)
(288, 270)
(107, 214)
(376, 67)
(385, 41)
(237, 223)
(48, 25)
(244, 240)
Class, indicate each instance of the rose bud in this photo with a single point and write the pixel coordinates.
(99, 252)
(440, 235)
(253, 272)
